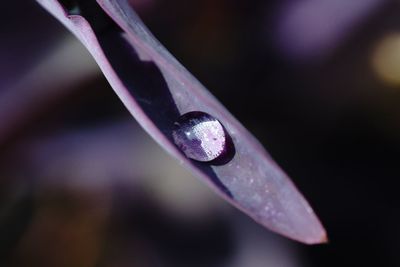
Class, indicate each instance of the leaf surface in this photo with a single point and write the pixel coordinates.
(157, 89)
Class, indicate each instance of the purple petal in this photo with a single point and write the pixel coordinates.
(156, 89)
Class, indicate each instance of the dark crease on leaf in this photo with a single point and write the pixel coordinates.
(143, 79)
(71, 6)
(89, 9)
(147, 85)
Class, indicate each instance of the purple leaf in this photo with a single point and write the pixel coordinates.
(156, 89)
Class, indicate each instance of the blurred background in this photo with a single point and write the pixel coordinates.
(317, 81)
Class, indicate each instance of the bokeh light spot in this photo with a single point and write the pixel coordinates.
(386, 59)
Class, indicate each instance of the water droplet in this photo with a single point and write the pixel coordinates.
(200, 136)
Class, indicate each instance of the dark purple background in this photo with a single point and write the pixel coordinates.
(322, 113)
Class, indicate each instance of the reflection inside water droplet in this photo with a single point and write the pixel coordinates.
(202, 137)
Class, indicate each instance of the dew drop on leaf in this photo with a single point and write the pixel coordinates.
(200, 136)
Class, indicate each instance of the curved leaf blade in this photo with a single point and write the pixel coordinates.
(156, 89)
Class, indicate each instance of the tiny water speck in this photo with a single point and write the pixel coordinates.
(200, 136)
